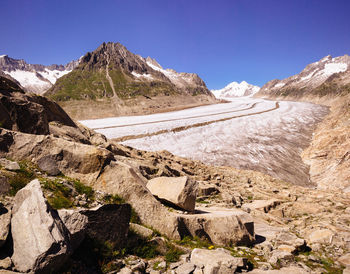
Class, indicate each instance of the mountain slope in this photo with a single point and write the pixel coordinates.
(325, 82)
(116, 79)
(235, 89)
(329, 76)
(34, 78)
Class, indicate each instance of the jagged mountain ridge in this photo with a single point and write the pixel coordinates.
(235, 89)
(34, 78)
(113, 71)
(324, 77)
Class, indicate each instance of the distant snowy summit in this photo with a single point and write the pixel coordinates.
(235, 89)
(34, 78)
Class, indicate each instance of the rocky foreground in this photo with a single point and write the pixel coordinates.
(75, 202)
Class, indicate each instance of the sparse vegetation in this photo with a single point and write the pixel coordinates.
(173, 254)
(194, 242)
(21, 177)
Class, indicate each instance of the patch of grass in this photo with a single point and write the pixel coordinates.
(61, 194)
(323, 262)
(202, 201)
(250, 255)
(22, 177)
(113, 199)
(141, 247)
(59, 201)
(194, 242)
(83, 189)
(96, 255)
(173, 254)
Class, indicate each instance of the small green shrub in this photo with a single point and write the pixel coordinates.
(61, 195)
(22, 177)
(173, 254)
(83, 189)
(140, 247)
(113, 199)
(194, 242)
(59, 201)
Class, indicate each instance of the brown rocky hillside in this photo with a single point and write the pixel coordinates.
(89, 204)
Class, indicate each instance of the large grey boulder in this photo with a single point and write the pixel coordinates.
(49, 165)
(40, 240)
(76, 223)
(179, 191)
(219, 225)
(218, 261)
(5, 221)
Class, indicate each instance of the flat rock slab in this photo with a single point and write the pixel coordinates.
(263, 205)
(179, 191)
(283, 270)
(9, 165)
(323, 236)
(219, 225)
(216, 261)
(345, 260)
(267, 231)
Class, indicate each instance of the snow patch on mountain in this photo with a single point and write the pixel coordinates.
(137, 75)
(235, 89)
(332, 68)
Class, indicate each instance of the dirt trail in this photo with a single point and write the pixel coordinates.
(109, 77)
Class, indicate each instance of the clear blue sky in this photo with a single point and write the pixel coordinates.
(221, 40)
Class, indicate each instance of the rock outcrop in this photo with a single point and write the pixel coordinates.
(40, 240)
(216, 261)
(76, 223)
(180, 191)
(29, 114)
(73, 159)
(108, 223)
(5, 222)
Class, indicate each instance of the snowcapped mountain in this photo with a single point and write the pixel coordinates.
(235, 89)
(34, 78)
(315, 79)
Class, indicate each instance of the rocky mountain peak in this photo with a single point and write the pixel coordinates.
(154, 62)
(311, 78)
